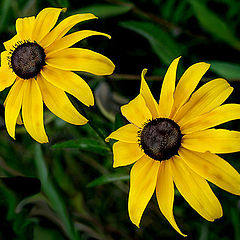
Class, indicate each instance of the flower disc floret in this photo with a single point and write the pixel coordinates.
(27, 60)
(160, 138)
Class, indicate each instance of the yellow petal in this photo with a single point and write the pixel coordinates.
(143, 178)
(32, 111)
(19, 119)
(127, 133)
(44, 22)
(165, 193)
(13, 106)
(205, 99)
(126, 153)
(71, 39)
(136, 111)
(187, 84)
(219, 115)
(7, 78)
(63, 27)
(213, 168)
(4, 59)
(69, 82)
(58, 103)
(24, 27)
(168, 88)
(147, 95)
(78, 59)
(195, 190)
(213, 140)
(11, 43)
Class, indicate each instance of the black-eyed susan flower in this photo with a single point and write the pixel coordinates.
(173, 141)
(38, 63)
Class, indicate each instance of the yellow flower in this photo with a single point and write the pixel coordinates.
(171, 142)
(38, 63)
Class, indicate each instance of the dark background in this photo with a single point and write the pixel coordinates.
(68, 188)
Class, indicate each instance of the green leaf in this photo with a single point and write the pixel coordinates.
(119, 121)
(5, 7)
(86, 144)
(105, 10)
(226, 69)
(162, 43)
(167, 9)
(9, 201)
(234, 211)
(52, 194)
(23, 225)
(108, 179)
(46, 234)
(213, 24)
(63, 3)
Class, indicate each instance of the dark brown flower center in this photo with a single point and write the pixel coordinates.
(27, 60)
(160, 138)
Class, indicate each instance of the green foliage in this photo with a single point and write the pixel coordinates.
(226, 69)
(85, 144)
(162, 43)
(213, 24)
(105, 10)
(107, 179)
(48, 188)
(4, 9)
(236, 221)
(46, 234)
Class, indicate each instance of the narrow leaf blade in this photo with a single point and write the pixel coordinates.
(213, 24)
(226, 69)
(86, 144)
(108, 178)
(105, 10)
(162, 43)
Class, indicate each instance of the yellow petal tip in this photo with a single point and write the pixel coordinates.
(206, 64)
(12, 135)
(136, 224)
(135, 220)
(85, 122)
(144, 71)
(94, 16)
(113, 68)
(92, 103)
(107, 35)
(115, 165)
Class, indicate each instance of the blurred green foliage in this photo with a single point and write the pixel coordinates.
(82, 196)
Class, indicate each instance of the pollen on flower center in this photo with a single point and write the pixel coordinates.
(27, 60)
(160, 138)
